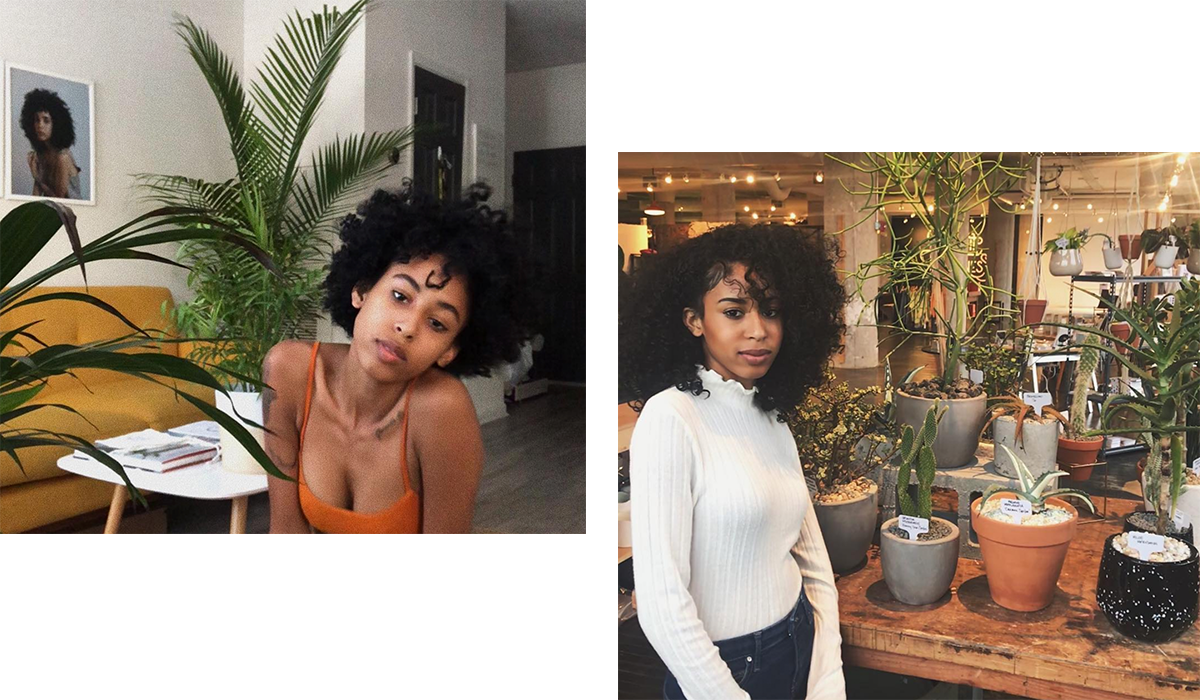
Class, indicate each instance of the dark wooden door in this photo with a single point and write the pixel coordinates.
(437, 153)
(548, 216)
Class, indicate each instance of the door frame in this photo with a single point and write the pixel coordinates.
(426, 63)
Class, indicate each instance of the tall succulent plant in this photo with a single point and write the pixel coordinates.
(916, 450)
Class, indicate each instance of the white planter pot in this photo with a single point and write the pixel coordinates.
(1164, 258)
(1113, 259)
(1066, 262)
(234, 457)
(1189, 499)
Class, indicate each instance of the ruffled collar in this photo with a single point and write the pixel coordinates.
(728, 389)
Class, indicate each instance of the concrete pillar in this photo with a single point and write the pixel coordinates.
(999, 243)
(859, 244)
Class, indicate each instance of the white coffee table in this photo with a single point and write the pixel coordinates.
(207, 481)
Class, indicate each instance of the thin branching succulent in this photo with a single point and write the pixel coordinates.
(916, 450)
(1034, 490)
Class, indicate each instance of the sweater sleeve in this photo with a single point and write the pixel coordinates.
(660, 470)
(825, 679)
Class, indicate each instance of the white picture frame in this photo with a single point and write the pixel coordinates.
(78, 97)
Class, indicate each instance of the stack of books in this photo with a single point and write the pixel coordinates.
(157, 451)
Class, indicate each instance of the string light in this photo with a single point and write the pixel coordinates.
(1100, 219)
(1049, 219)
(1089, 206)
(1055, 206)
(930, 207)
(746, 208)
(750, 179)
(667, 179)
(732, 179)
(819, 177)
(754, 216)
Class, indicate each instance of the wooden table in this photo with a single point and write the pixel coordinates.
(1067, 651)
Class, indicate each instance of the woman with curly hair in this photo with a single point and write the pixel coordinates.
(380, 433)
(734, 586)
(47, 124)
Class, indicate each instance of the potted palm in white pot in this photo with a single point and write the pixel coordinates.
(288, 210)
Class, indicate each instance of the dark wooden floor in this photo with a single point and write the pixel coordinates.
(533, 478)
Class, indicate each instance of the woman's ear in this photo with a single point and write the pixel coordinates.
(692, 320)
(448, 356)
(356, 299)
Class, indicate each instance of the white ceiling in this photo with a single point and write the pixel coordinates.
(544, 33)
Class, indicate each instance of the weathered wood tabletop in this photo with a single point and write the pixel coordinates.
(1067, 651)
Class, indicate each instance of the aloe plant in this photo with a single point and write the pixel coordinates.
(24, 232)
(1034, 490)
(287, 210)
(916, 450)
(1165, 360)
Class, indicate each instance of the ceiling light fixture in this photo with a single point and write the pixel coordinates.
(1100, 219)
(746, 208)
(1089, 207)
(750, 179)
(772, 207)
(792, 215)
(1182, 158)
(686, 178)
(776, 177)
(649, 188)
(754, 216)
(667, 179)
(733, 179)
(819, 177)
(1055, 206)
(930, 207)
(654, 209)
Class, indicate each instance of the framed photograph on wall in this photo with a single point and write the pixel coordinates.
(49, 137)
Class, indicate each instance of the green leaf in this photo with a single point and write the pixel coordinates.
(11, 400)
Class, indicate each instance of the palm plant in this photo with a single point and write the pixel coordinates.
(288, 211)
(941, 190)
(1166, 361)
(24, 231)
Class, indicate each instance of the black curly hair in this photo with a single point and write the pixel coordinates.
(656, 349)
(399, 226)
(40, 100)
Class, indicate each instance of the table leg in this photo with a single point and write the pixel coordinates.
(116, 509)
(237, 519)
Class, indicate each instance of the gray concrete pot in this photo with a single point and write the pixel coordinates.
(958, 432)
(916, 572)
(1038, 447)
(848, 528)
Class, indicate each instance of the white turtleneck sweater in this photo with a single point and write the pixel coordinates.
(723, 535)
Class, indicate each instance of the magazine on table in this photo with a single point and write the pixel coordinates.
(204, 429)
(156, 451)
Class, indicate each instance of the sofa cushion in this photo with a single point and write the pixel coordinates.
(27, 506)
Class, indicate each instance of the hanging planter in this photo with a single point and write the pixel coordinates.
(1066, 262)
(1131, 246)
(1032, 311)
(1164, 259)
(1112, 259)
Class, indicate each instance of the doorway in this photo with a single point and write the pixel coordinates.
(437, 152)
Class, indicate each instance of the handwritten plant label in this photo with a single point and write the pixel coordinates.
(913, 526)
(1146, 544)
(975, 376)
(1037, 400)
(1181, 520)
(1016, 509)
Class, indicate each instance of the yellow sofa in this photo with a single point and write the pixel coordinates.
(113, 402)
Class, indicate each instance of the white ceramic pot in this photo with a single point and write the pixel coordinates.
(1189, 499)
(234, 457)
(1066, 262)
(1164, 258)
(1112, 258)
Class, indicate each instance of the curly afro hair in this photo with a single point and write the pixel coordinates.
(396, 227)
(656, 349)
(39, 100)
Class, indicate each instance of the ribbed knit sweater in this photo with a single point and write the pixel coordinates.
(723, 535)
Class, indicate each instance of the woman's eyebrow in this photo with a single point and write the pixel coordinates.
(740, 300)
(451, 308)
(406, 278)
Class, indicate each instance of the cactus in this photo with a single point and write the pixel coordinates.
(916, 450)
(1089, 359)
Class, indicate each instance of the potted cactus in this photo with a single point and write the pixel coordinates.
(1024, 535)
(1077, 449)
(842, 435)
(918, 571)
(1031, 437)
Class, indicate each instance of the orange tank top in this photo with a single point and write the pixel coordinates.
(402, 517)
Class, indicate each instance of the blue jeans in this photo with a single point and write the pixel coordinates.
(771, 663)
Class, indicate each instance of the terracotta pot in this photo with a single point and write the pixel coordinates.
(1032, 311)
(1131, 246)
(1075, 452)
(1023, 562)
(1120, 329)
(1066, 262)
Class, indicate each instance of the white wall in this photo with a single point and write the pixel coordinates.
(546, 109)
(154, 111)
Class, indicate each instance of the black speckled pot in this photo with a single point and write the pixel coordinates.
(1188, 535)
(1148, 601)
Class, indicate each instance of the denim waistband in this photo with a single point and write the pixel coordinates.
(754, 643)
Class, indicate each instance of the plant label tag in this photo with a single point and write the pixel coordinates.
(1016, 509)
(1146, 544)
(1196, 466)
(913, 526)
(975, 376)
(1181, 520)
(1037, 400)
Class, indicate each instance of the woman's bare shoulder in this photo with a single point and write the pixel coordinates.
(286, 364)
(442, 393)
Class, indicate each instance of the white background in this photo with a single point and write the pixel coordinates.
(534, 616)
